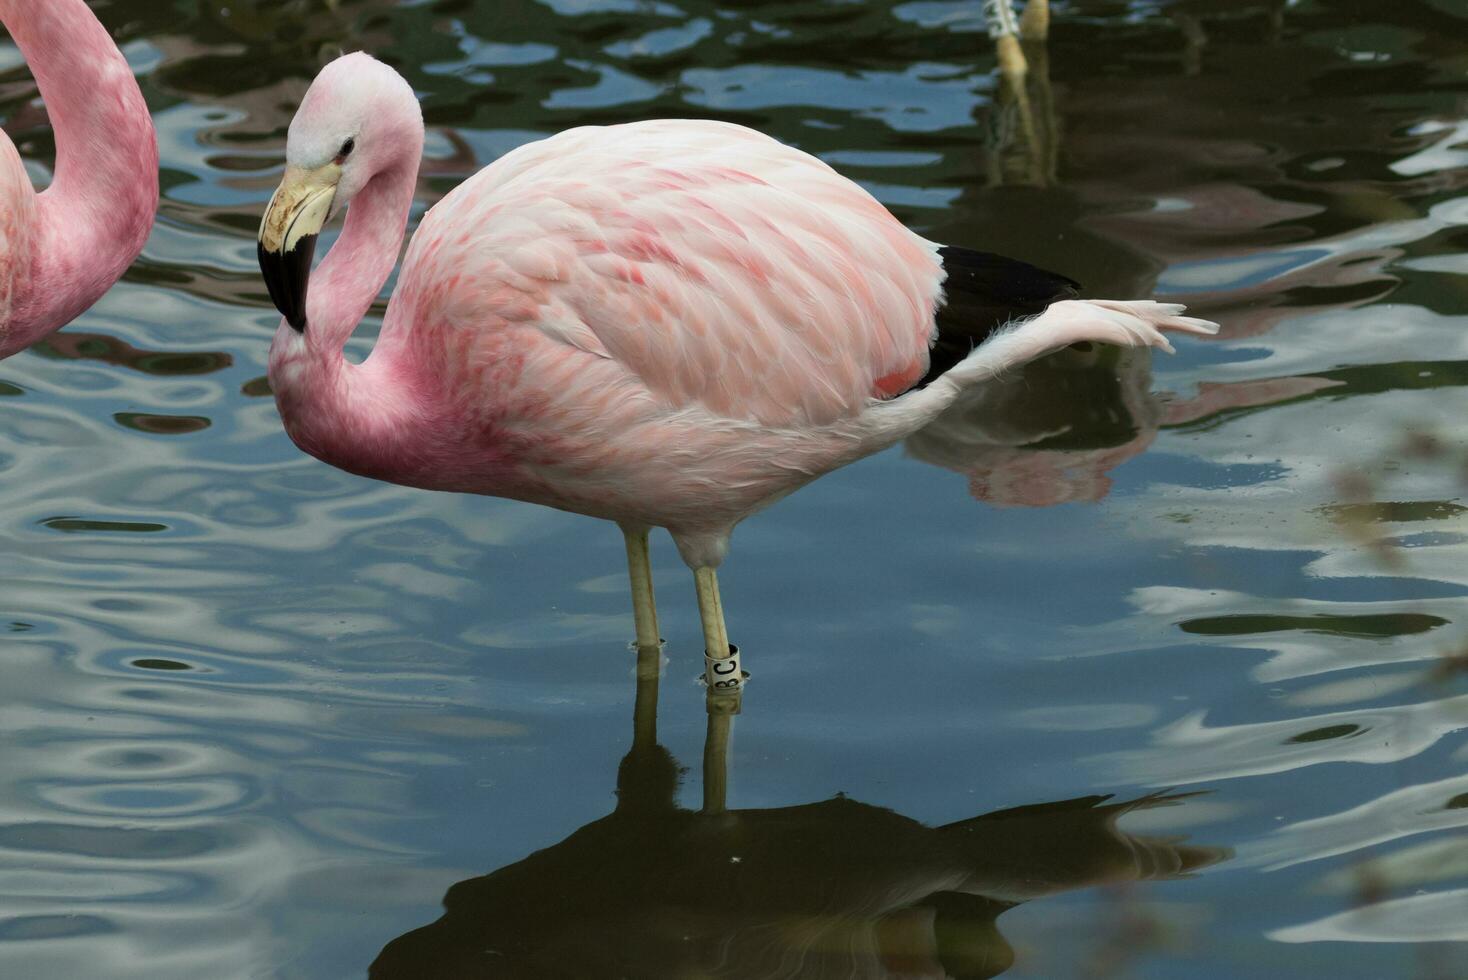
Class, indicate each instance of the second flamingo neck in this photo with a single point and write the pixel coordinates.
(92, 221)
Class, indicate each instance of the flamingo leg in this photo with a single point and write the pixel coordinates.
(1014, 69)
(1037, 52)
(1034, 23)
(644, 604)
(645, 707)
(711, 611)
(722, 672)
(1005, 30)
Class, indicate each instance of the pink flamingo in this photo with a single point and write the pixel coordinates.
(670, 323)
(60, 250)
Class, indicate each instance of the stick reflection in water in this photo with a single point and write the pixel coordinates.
(837, 888)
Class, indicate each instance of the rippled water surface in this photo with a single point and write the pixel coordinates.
(260, 716)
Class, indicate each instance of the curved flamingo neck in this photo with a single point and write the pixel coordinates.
(348, 280)
(353, 416)
(94, 218)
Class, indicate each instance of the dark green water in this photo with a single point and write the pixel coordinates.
(259, 716)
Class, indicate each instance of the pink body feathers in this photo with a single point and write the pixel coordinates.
(62, 249)
(668, 323)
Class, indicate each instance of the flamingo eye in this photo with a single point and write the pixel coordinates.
(346, 150)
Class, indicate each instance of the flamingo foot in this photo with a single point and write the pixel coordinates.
(1125, 323)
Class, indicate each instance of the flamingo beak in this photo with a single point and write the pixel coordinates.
(298, 211)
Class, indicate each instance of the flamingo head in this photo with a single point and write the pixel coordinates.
(359, 119)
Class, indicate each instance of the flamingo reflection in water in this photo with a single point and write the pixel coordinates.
(837, 888)
(60, 250)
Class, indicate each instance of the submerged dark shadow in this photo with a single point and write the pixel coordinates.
(837, 888)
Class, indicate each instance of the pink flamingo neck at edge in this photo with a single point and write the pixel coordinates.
(91, 223)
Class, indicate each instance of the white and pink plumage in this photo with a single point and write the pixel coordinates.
(60, 250)
(665, 324)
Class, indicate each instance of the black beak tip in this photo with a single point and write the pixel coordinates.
(287, 275)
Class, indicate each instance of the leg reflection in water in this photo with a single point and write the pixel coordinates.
(830, 889)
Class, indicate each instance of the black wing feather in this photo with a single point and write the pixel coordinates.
(981, 293)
